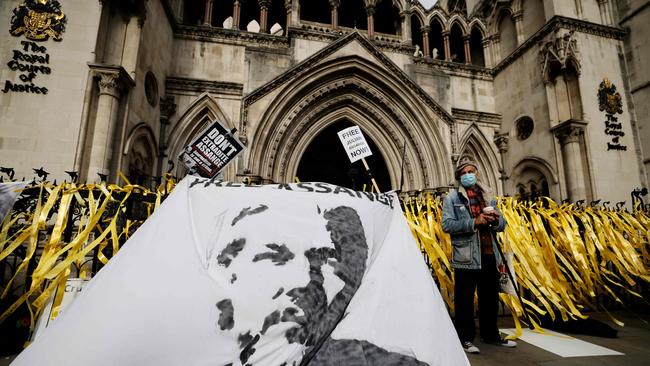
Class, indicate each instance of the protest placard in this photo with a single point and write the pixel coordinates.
(208, 154)
(354, 143)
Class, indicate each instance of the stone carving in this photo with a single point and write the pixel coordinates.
(253, 26)
(501, 140)
(39, 20)
(306, 65)
(569, 132)
(199, 86)
(434, 53)
(108, 83)
(227, 24)
(609, 100)
(277, 30)
(418, 51)
(561, 48)
(167, 107)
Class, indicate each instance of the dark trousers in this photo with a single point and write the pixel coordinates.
(466, 282)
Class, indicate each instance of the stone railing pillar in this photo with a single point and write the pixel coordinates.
(445, 37)
(425, 40)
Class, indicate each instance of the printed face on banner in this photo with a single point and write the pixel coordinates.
(286, 286)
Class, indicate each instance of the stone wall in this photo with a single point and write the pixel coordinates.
(43, 130)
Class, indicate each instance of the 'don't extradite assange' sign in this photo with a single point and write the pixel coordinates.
(36, 20)
(211, 151)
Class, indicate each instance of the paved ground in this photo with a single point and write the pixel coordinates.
(633, 340)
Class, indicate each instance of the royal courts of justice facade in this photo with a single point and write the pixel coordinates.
(549, 96)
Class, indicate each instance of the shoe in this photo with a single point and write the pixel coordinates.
(469, 347)
(504, 343)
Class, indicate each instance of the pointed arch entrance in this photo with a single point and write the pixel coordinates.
(349, 80)
(325, 160)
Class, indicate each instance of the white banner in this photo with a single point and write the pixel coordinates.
(224, 274)
(354, 143)
(72, 290)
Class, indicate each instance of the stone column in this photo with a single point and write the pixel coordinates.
(425, 40)
(132, 44)
(236, 14)
(496, 49)
(207, 16)
(468, 52)
(487, 56)
(101, 149)
(407, 37)
(502, 141)
(294, 5)
(445, 36)
(167, 110)
(370, 10)
(569, 134)
(334, 4)
(518, 17)
(605, 12)
(264, 15)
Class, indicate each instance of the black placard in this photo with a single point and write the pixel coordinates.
(208, 154)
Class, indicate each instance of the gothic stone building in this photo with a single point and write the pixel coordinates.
(123, 86)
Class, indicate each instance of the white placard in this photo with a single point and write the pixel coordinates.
(354, 143)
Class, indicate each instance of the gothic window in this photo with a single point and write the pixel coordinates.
(387, 19)
(533, 16)
(316, 11)
(250, 13)
(416, 32)
(352, 14)
(221, 11)
(507, 34)
(573, 91)
(151, 89)
(531, 184)
(193, 12)
(140, 162)
(278, 14)
(457, 44)
(524, 126)
(476, 47)
(567, 92)
(436, 40)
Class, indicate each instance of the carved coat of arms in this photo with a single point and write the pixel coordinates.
(609, 100)
(38, 20)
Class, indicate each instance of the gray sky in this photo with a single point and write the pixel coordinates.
(428, 3)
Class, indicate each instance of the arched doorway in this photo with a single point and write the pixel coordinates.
(325, 160)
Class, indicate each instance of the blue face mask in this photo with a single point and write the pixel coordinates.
(468, 180)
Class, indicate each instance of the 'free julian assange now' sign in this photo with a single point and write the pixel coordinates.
(211, 151)
(354, 143)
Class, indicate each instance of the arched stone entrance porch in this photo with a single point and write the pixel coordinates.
(358, 84)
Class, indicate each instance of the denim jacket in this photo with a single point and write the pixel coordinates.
(458, 222)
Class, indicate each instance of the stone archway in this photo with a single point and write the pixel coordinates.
(279, 123)
(325, 160)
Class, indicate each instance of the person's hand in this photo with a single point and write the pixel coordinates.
(492, 217)
(481, 220)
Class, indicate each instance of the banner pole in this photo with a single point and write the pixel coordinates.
(514, 285)
(374, 183)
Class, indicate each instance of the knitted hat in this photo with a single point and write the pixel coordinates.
(464, 162)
